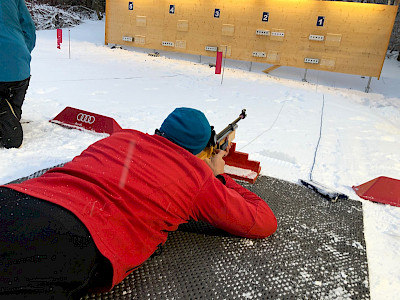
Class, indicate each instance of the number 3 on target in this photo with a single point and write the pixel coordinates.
(217, 13)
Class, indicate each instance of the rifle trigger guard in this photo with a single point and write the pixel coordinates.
(213, 138)
(224, 145)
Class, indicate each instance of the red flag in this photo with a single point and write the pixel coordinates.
(59, 38)
(218, 63)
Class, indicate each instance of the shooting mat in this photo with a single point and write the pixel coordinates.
(318, 252)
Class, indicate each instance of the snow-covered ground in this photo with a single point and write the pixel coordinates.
(360, 131)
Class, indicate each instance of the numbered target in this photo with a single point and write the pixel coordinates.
(265, 16)
(320, 21)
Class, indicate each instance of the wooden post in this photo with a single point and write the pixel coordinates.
(274, 67)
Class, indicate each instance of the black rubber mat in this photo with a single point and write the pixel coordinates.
(34, 175)
(318, 252)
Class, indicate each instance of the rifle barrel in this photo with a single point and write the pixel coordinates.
(231, 127)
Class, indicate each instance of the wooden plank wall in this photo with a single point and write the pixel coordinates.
(355, 35)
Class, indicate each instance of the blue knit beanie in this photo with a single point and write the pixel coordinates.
(187, 127)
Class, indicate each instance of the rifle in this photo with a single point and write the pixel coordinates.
(221, 140)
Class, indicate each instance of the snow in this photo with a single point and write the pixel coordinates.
(360, 131)
(244, 173)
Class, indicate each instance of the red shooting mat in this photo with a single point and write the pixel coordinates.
(381, 189)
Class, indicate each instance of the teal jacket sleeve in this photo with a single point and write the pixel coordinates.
(27, 25)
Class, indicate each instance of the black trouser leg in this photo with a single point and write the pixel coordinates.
(15, 93)
(12, 96)
(45, 251)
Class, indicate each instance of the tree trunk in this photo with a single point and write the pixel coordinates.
(96, 7)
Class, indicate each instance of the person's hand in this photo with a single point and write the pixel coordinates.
(216, 162)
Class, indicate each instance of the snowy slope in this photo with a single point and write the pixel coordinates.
(360, 132)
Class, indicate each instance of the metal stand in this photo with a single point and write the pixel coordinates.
(223, 69)
(368, 85)
(305, 75)
(251, 65)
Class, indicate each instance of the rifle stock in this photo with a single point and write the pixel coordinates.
(223, 139)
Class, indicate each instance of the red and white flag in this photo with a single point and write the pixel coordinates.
(59, 38)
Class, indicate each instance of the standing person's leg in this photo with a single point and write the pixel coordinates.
(12, 96)
(45, 251)
(16, 95)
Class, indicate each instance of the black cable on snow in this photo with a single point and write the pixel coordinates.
(273, 123)
(319, 138)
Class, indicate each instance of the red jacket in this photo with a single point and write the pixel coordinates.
(131, 189)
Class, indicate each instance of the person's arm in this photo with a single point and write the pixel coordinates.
(27, 25)
(233, 208)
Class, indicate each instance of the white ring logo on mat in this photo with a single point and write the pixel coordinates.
(81, 117)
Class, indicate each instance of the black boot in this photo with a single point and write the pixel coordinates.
(11, 134)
